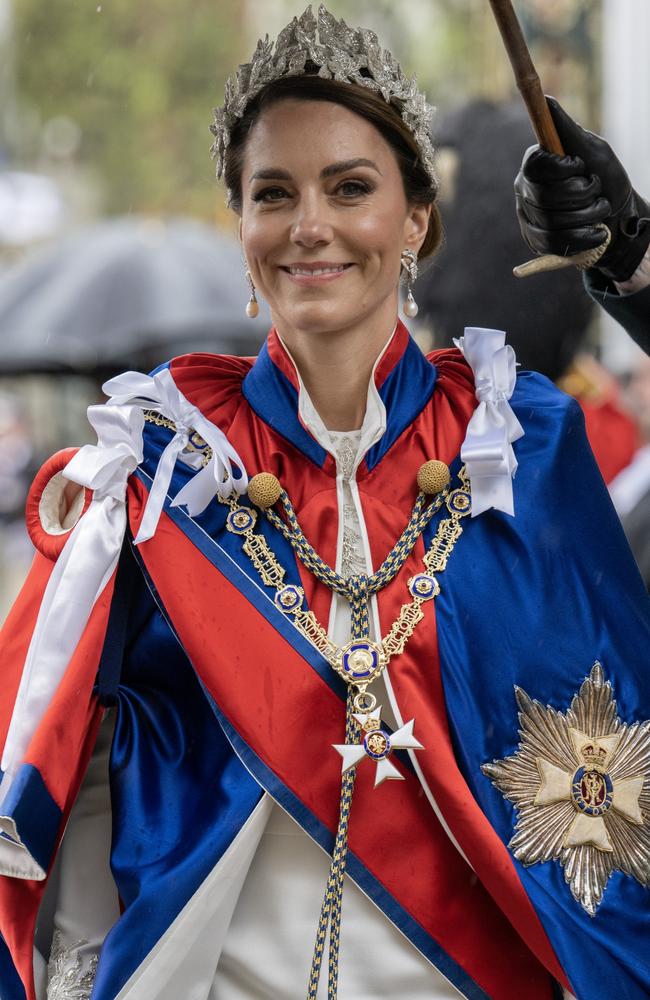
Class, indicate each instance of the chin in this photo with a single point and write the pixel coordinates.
(320, 317)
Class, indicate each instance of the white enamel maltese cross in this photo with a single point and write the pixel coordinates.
(378, 745)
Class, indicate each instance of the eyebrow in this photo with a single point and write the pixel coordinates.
(341, 167)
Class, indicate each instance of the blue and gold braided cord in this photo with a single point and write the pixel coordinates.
(330, 914)
(350, 587)
(358, 593)
(357, 589)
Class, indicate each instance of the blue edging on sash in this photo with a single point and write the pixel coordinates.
(257, 596)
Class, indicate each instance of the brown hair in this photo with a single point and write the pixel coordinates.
(419, 188)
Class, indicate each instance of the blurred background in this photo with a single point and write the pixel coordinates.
(117, 249)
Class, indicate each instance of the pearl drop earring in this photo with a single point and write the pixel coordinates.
(409, 262)
(252, 306)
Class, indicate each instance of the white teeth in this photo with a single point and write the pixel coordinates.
(314, 272)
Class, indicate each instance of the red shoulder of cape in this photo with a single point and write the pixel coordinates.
(212, 382)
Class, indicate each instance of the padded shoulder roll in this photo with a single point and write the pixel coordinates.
(49, 516)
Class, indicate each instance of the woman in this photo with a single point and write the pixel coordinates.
(276, 649)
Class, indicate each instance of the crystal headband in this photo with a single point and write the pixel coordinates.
(337, 53)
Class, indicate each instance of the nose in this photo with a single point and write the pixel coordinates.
(311, 226)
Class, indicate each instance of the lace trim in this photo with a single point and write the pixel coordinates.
(65, 980)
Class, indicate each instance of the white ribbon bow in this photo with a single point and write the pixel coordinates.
(487, 449)
(159, 392)
(91, 554)
(80, 574)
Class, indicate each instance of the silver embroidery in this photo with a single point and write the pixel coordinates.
(65, 979)
(346, 455)
(353, 561)
(346, 449)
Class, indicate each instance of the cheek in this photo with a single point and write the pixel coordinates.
(380, 233)
(259, 237)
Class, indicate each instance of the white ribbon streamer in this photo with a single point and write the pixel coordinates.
(493, 427)
(91, 553)
(80, 574)
(159, 392)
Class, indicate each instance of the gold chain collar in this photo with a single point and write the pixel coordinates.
(422, 587)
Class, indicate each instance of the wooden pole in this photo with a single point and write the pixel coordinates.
(526, 76)
(533, 96)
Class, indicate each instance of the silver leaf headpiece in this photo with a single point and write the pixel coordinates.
(337, 53)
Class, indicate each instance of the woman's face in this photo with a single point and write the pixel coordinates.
(324, 217)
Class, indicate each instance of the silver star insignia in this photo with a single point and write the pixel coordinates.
(580, 783)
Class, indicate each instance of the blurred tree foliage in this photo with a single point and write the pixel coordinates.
(140, 80)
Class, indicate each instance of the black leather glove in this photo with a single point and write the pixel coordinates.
(561, 199)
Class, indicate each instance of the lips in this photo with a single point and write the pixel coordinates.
(315, 268)
(316, 272)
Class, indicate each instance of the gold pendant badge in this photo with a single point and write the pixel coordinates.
(580, 783)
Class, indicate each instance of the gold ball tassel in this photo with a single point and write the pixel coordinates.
(264, 490)
(433, 477)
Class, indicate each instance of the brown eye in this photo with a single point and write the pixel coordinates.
(270, 194)
(353, 189)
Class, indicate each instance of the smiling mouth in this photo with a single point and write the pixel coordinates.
(315, 271)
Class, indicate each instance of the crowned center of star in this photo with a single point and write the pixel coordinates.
(590, 789)
(580, 782)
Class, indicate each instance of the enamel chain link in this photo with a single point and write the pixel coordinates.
(289, 598)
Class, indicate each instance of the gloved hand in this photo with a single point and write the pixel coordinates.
(561, 199)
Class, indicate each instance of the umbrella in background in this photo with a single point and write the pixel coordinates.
(126, 293)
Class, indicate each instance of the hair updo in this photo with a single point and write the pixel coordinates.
(419, 188)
